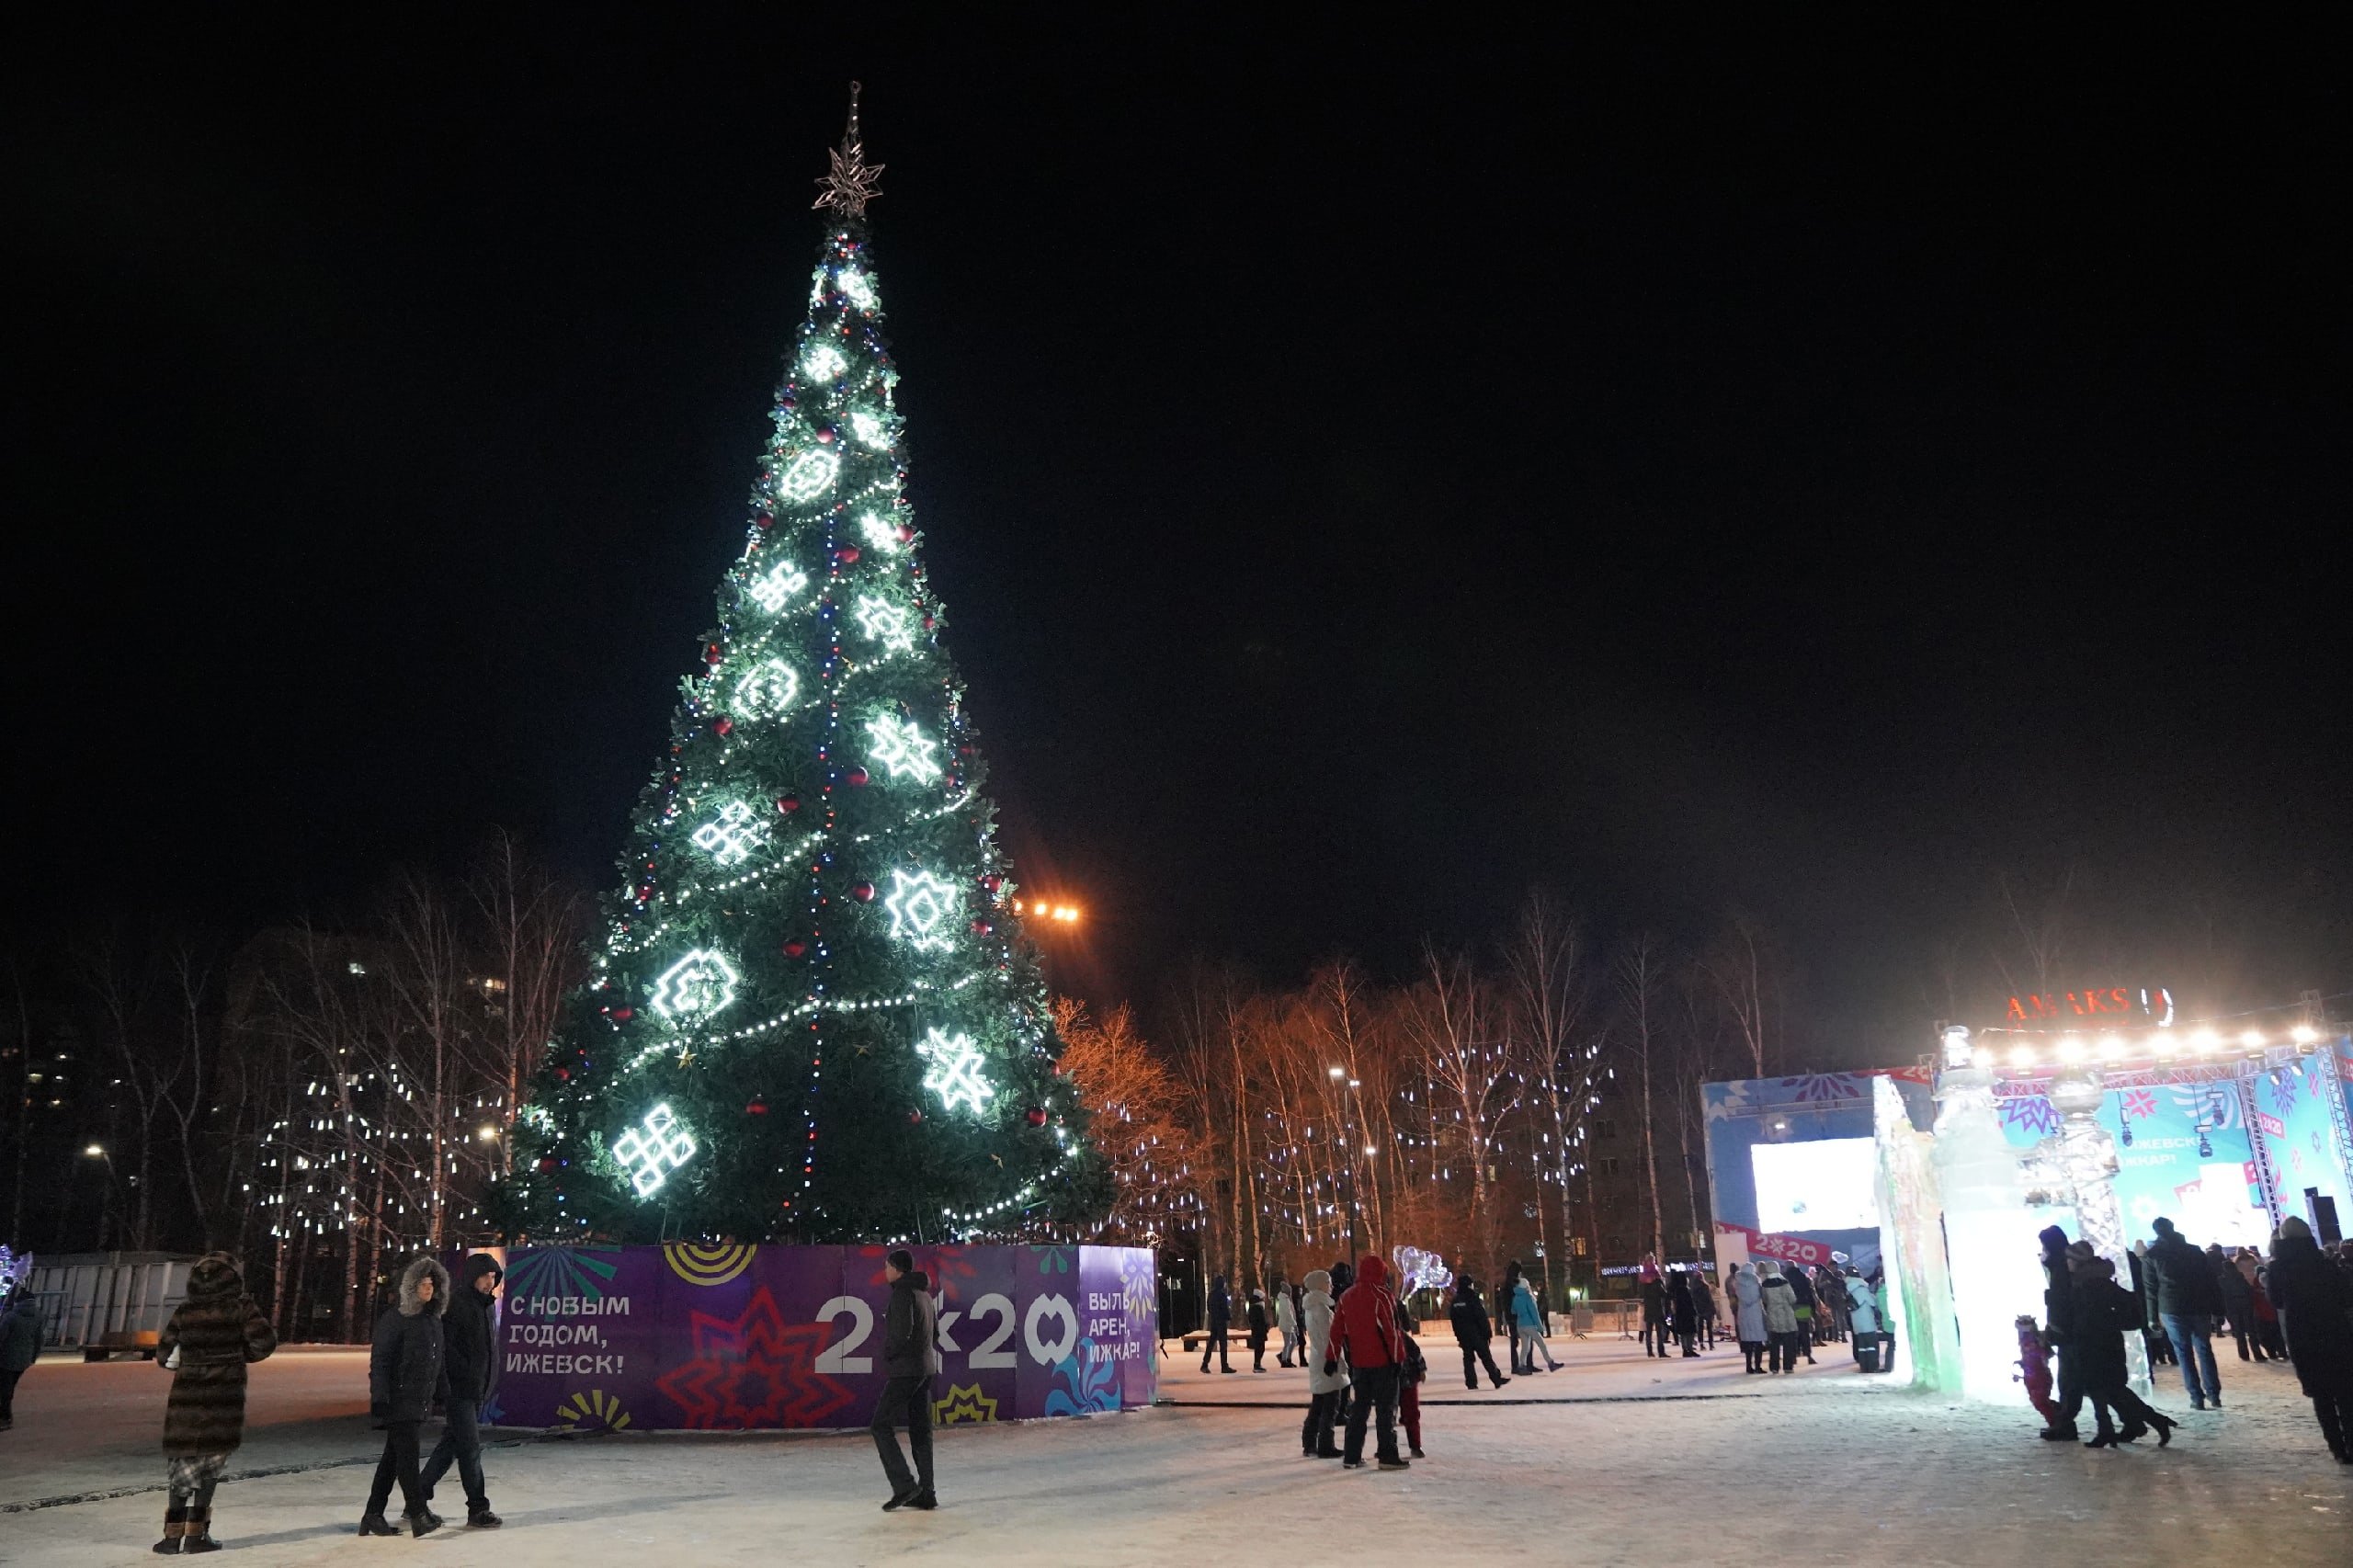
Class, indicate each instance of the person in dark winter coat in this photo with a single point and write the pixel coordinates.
(469, 1373)
(1364, 1329)
(1473, 1332)
(1507, 1315)
(20, 1349)
(2238, 1304)
(2058, 1330)
(1682, 1313)
(1220, 1323)
(910, 1361)
(1410, 1375)
(404, 1373)
(2314, 1299)
(1802, 1295)
(213, 1335)
(2186, 1301)
(1255, 1315)
(2104, 1311)
(1654, 1315)
(1343, 1274)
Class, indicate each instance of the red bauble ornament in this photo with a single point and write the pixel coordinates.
(563, 1075)
(623, 1014)
(826, 435)
(1035, 1116)
(914, 1117)
(846, 555)
(929, 623)
(863, 892)
(795, 948)
(757, 1108)
(710, 656)
(906, 533)
(722, 726)
(547, 1163)
(858, 775)
(993, 881)
(787, 802)
(762, 520)
(981, 928)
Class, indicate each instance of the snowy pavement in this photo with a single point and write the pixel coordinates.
(1610, 1461)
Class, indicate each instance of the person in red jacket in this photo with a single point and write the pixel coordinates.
(1364, 1329)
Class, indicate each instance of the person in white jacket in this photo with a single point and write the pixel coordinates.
(1286, 1321)
(1324, 1391)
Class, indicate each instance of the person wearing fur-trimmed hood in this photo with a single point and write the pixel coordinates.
(212, 1336)
(404, 1370)
(1323, 1388)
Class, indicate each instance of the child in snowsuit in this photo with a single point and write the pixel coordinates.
(2034, 1369)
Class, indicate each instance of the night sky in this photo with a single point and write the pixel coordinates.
(1816, 473)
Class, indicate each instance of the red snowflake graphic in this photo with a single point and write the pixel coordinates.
(755, 1370)
(2139, 1104)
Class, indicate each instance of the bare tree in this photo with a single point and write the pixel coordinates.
(1549, 991)
(1132, 1099)
(1450, 1018)
(1640, 977)
(1740, 969)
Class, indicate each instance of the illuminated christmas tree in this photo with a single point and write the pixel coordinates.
(812, 1015)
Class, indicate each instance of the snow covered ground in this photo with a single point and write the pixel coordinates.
(1613, 1460)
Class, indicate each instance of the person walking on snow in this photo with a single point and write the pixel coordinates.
(2058, 1332)
(910, 1360)
(1322, 1387)
(213, 1335)
(1654, 1315)
(1220, 1325)
(2186, 1301)
(2313, 1298)
(2238, 1303)
(2104, 1310)
(1468, 1315)
(1286, 1321)
(1707, 1303)
(1748, 1316)
(1802, 1294)
(1507, 1315)
(1364, 1329)
(404, 1370)
(1527, 1319)
(1256, 1317)
(469, 1373)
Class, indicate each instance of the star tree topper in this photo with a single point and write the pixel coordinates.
(849, 184)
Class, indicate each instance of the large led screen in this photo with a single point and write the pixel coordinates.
(1821, 1186)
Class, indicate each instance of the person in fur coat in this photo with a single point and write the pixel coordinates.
(1323, 1388)
(404, 1369)
(212, 1336)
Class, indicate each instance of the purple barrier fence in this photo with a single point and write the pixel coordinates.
(724, 1339)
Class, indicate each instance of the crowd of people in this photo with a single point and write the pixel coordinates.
(2297, 1305)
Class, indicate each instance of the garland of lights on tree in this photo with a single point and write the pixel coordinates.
(812, 1015)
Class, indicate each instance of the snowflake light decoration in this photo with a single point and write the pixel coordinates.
(769, 687)
(645, 1151)
(732, 835)
(774, 590)
(871, 430)
(920, 905)
(858, 286)
(695, 986)
(955, 1072)
(900, 746)
(882, 534)
(886, 623)
(822, 362)
(808, 476)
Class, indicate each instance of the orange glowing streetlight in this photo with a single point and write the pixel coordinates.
(1049, 910)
